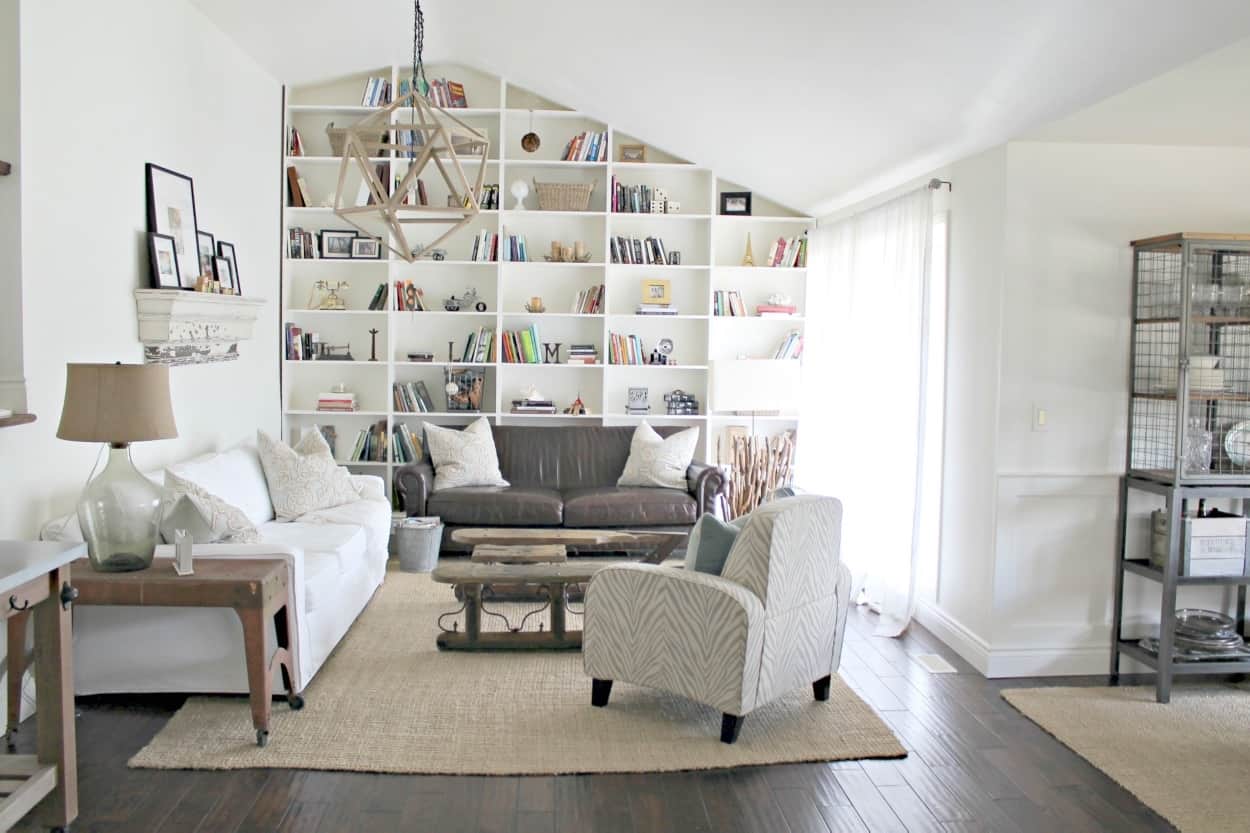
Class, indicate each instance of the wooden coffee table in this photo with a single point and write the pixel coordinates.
(256, 589)
(657, 545)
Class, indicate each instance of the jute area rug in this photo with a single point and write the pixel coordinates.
(387, 700)
(1187, 760)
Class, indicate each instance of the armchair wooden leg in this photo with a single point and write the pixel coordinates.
(600, 690)
(820, 688)
(730, 726)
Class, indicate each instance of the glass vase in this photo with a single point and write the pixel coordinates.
(119, 514)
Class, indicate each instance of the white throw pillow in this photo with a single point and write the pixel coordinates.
(305, 478)
(236, 476)
(463, 458)
(659, 461)
(226, 521)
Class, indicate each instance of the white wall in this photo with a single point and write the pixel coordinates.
(12, 389)
(107, 87)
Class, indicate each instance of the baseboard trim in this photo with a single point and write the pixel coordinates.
(1078, 661)
(972, 648)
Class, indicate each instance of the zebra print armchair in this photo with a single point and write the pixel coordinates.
(771, 622)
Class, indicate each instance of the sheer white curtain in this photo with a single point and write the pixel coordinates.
(863, 413)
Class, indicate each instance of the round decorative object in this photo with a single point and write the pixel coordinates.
(480, 306)
(438, 254)
(665, 346)
(530, 142)
(1204, 621)
(451, 388)
(520, 190)
(1237, 443)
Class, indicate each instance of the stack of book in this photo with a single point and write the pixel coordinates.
(480, 346)
(776, 310)
(371, 444)
(533, 406)
(791, 346)
(447, 94)
(301, 346)
(407, 448)
(378, 301)
(790, 252)
(649, 251)
(409, 298)
(587, 146)
(345, 401)
(377, 92)
(300, 244)
(589, 301)
(583, 354)
(522, 346)
(488, 200)
(485, 247)
(649, 308)
(636, 199)
(625, 349)
(728, 302)
(514, 248)
(412, 397)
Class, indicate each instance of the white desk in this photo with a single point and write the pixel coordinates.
(34, 577)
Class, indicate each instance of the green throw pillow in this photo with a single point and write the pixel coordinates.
(709, 544)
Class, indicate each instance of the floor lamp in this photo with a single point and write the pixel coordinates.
(758, 464)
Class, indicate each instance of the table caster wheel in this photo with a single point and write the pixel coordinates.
(295, 701)
(262, 738)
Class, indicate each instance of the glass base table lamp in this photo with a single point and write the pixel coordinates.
(118, 404)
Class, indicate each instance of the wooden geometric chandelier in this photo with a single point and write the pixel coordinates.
(443, 140)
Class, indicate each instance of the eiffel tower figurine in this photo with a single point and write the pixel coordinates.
(748, 259)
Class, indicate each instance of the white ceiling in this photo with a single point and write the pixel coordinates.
(815, 103)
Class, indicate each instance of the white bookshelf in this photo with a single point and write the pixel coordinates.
(711, 246)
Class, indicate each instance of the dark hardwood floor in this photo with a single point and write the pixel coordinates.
(975, 765)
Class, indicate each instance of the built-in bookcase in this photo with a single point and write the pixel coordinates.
(711, 249)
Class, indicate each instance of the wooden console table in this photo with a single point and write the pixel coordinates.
(256, 589)
(35, 579)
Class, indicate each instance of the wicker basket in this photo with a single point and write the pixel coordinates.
(563, 196)
(338, 138)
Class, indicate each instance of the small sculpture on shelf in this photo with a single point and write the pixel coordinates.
(561, 253)
(469, 300)
(780, 299)
(578, 408)
(535, 305)
(520, 190)
(637, 401)
(336, 353)
(330, 298)
(551, 352)
(680, 403)
(373, 345)
(748, 259)
(663, 353)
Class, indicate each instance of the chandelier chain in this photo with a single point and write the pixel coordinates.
(418, 48)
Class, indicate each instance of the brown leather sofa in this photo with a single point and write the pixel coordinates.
(562, 477)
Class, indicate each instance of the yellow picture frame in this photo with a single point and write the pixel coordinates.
(657, 291)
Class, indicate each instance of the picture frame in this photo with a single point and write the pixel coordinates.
(366, 248)
(226, 250)
(208, 249)
(735, 203)
(163, 259)
(336, 244)
(633, 153)
(656, 291)
(171, 212)
(223, 271)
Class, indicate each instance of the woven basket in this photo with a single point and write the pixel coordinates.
(338, 138)
(563, 196)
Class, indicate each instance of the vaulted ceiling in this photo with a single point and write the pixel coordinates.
(815, 103)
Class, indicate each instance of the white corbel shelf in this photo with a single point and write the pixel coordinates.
(179, 327)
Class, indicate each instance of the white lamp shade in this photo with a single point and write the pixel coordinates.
(755, 385)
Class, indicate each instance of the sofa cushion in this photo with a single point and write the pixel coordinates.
(305, 478)
(495, 506)
(373, 515)
(225, 520)
(342, 545)
(463, 458)
(709, 543)
(234, 476)
(623, 506)
(656, 460)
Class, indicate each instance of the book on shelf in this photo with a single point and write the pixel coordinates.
(589, 301)
(728, 302)
(521, 346)
(377, 93)
(297, 189)
(405, 448)
(301, 244)
(791, 347)
(294, 144)
(587, 146)
(640, 199)
(378, 301)
(776, 310)
(625, 349)
(479, 347)
(648, 251)
(488, 200)
(583, 354)
(409, 298)
(412, 397)
(533, 406)
(300, 345)
(485, 247)
(371, 444)
(449, 95)
(655, 309)
(515, 249)
(788, 252)
(336, 402)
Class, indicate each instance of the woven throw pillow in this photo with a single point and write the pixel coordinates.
(305, 478)
(659, 461)
(709, 544)
(225, 521)
(463, 458)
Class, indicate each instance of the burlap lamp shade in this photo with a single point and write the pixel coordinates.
(116, 403)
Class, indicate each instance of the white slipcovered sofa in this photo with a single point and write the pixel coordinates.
(337, 559)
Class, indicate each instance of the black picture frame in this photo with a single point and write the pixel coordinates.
(741, 203)
(226, 250)
(207, 249)
(164, 272)
(170, 195)
(360, 243)
(223, 272)
(330, 240)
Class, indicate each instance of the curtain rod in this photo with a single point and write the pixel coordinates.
(936, 184)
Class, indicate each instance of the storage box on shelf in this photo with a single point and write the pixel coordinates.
(506, 112)
(1188, 433)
